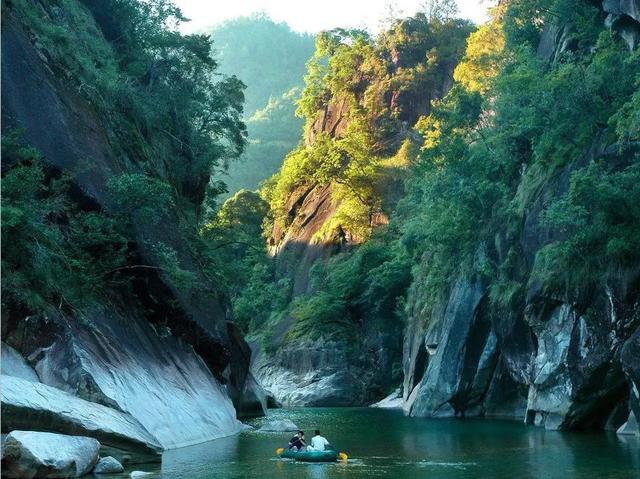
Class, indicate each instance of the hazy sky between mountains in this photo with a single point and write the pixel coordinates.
(315, 15)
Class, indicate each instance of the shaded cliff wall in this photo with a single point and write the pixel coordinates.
(177, 378)
(562, 361)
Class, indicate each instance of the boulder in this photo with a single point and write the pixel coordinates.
(108, 465)
(35, 406)
(138, 474)
(392, 401)
(279, 425)
(28, 454)
(13, 364)
(629, 428)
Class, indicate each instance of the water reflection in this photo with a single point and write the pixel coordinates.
(199, 458)
(386, 444)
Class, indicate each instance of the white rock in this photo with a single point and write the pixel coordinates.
(29, 454)
(392, 401)
(138, 474)
(13, 364)
(279, 425)
(108, 465)
(160, 381)
(29, 405)
(630, 427)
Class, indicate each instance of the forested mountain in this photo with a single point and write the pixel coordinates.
(269, 58)
(111, 126)
(456, 221)
(509, 263)
(331, 302)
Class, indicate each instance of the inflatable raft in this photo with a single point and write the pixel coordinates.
(310, 456)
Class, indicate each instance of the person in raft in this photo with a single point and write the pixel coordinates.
(297, 443)
(319, 443)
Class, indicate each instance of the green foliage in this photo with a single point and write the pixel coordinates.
(381, 80)
(169, 264)
(320, 315)
(494, 144)
(375, 85)
(170, 119)
(440, 10)
(154, 87)
(365, 285)
(482, 59)
(273, 131)
(230, 243)
(599, 223)
(267, 56)
(270, 59)
(140, 198)
(261, 299)
(53, 253)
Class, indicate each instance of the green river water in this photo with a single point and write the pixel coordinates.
(384, 443)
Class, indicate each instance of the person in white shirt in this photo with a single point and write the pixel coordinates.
(319, 443)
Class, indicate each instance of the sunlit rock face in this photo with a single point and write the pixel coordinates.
(319, 373)
(35, 406)
(122, 362)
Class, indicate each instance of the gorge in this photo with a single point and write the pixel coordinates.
(454, 225)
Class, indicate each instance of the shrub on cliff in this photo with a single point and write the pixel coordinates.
(512, 124)
(53, 253)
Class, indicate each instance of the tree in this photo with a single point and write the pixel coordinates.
(440, 10)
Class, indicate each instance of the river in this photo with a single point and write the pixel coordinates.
(384, 443)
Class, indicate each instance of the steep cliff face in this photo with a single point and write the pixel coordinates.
(558, 360)
(325, 216)
(161, 354)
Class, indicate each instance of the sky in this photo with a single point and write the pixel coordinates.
(314, 15)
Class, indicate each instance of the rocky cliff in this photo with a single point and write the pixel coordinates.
(160, 358)
(559, 360)
(325, 371)
(549, 361)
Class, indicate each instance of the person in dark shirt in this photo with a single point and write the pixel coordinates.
(297, 442)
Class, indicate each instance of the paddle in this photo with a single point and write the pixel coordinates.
(279, 451)
(343, 456)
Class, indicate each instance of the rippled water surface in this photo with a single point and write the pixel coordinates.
(383, 443)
